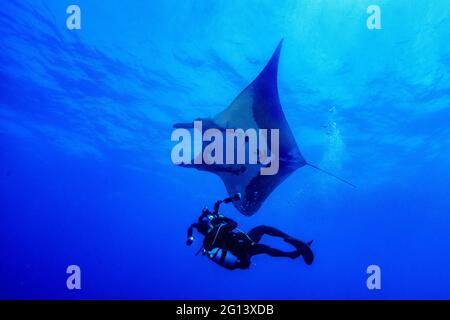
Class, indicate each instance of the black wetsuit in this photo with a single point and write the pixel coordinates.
(221, 232)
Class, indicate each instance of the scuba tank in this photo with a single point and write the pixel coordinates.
(222, 257)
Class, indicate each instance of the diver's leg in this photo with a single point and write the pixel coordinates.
(256, 233)
(302, 249)
(264, 249)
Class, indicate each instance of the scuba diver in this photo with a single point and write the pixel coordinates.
(232, 248)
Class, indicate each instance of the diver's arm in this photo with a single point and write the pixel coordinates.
(216, 207)
(236, 197)
(190, 237)
(191, 230)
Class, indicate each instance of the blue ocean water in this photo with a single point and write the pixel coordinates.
(86, 117)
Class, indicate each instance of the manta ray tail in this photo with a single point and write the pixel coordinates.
(330, 174)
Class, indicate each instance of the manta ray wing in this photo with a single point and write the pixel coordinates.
(257, 107)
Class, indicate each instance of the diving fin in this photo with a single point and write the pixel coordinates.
(303, 250)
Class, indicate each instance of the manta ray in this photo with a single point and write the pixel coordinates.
(257, 106)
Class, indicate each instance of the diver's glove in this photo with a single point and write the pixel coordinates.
(189, 241)
(235, 197)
